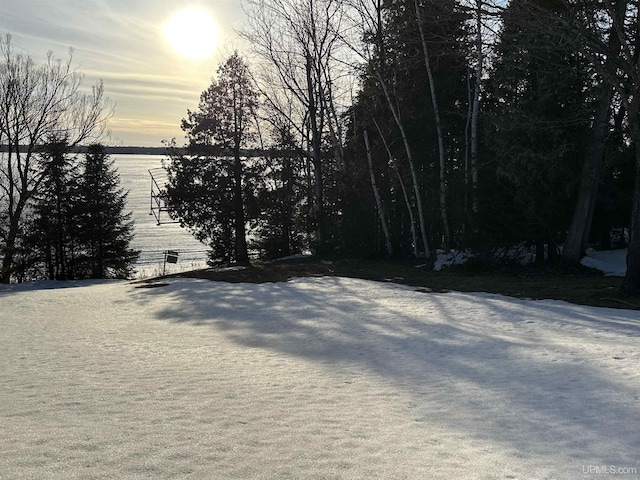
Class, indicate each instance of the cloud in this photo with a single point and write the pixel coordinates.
(128, 124)
(121, 43)
(150, 87)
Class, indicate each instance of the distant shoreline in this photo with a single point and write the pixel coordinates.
(112, 150)
(207, 150)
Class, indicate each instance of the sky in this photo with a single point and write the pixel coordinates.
(122, 43)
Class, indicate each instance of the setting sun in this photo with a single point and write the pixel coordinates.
(192, 33)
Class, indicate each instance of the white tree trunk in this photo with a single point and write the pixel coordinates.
(376, 194)
(414, 176)
(436, 113)
(405, 194)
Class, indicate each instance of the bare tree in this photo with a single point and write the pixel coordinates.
(297, 40)
(38, 102)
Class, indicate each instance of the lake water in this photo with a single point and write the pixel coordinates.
(150, 238)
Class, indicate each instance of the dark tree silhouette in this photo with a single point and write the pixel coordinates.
(223, 122)
(105, 229)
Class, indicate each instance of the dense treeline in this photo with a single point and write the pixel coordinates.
(417, 125)
(377, 128)
(109, 149)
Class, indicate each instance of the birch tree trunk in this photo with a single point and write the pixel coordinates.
(436, 113)
(376, 194)
(414, 177)
(405, 194)
(371, 22)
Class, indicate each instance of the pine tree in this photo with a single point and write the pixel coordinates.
(105, 231)
(206, 190)
(277, 199)
(200, 196)
(51, 225)
(538, 112)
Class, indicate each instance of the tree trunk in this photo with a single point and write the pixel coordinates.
(242, 256)
(376, 194)
(475, 113)
(287, 202)
(412, 220)
(316, 145)
(9, 249)
(583, 214)
(414, 176)
(7, 259)
(580, 227)
(60, 226)
(631, 284)
(467, 157)
(436, 113)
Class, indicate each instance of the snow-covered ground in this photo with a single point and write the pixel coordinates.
(326, 378)
(611, 262)
(317, 378)
(150, 238)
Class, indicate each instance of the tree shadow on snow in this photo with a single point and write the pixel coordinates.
(537, 378)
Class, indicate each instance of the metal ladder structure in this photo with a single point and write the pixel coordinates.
(158, 196)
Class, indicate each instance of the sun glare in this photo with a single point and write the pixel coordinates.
(192, 33)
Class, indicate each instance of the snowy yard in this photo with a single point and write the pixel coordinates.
(325, 378)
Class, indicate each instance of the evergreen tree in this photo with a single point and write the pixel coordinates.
(105, 230)
(200, 196)
(417, 156)
(222, 123)
(538, 112)
(278, 199)
(38, 102)
(51, 225)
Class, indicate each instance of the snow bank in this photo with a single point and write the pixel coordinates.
(449, 259)
(611, 262)
(326, 378)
